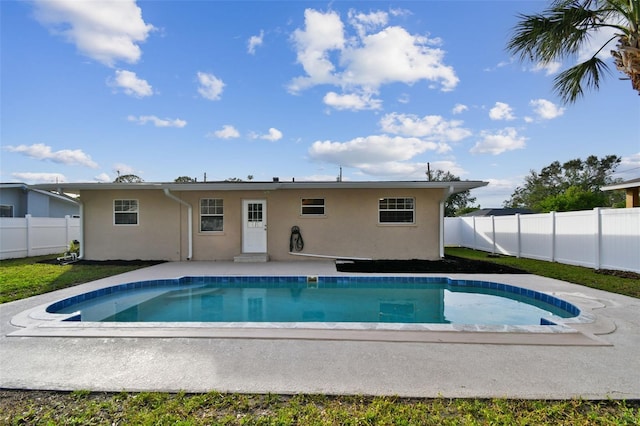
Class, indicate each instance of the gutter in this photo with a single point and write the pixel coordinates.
(189, 219)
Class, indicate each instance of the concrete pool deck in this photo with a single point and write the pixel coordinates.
(596, 360)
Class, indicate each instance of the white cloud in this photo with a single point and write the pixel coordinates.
(352, 101)
(371, 149)
(545, 109)
(394, 55)
(362, 62)
(499, 142)
(459, 108)
(158, 122)
(323, 33)
(35, 177)
(210, 86)
(107, 31)
(41, 151)
(227, 132)
(131, 84)
(501, 111)
(255, 41)
(549, 68)
(103, 177)
(364, 23)
(273, 135)
(430, 126)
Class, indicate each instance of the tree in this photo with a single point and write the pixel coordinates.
(567, 27)
(574, 185)
(456, 204)
(128, 179)
(184, 179)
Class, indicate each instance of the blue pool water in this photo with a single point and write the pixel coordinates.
(317, 299)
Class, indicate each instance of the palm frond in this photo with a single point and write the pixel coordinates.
(570, 84)
(558, 32)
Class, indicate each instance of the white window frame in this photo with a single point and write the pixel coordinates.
(313, 206)
(121, 212)
(10, 208)
(394, 207)
(215, 214)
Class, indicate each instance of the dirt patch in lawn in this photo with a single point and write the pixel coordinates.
(450, 264)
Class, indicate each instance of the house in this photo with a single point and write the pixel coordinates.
(497, 212)
(20, 199)
(631, 187)
(254, 220)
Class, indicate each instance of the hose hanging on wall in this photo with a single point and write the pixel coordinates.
(296, 243)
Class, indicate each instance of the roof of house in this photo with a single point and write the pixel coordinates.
(498, 212)
(451, 187)
(633, 183)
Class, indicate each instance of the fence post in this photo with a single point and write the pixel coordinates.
(67, 234)
(493, 234)
(27, 219)
(475, 244)
(552, 216)
(518, 236)
(598, 237)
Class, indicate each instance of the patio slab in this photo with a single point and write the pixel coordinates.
(597, 360)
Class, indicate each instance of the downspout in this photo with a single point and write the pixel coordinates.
(448, 192)
(81, 211)
(189, 220)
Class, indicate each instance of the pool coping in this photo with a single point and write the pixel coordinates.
(38, 322)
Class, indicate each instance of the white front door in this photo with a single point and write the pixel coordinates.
(254, 226)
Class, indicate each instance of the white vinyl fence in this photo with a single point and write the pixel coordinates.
(36, 236)
(598, 238)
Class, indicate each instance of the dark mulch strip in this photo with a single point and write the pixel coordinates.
(450, 264)
(619, 274)
(115, 262)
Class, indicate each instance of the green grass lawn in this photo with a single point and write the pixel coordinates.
(629, 286)
(21, 278)
(25, 277)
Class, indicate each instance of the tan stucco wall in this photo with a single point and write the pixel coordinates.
(349, 228)
(157, 235)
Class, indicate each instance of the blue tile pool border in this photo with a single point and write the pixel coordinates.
(319, 282)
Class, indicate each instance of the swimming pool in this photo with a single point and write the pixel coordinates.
(317, 299)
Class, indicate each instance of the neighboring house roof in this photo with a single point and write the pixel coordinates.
(26, 187)
(452, 187)
(498, 212)
(633, 183)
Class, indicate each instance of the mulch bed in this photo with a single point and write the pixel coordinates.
(116, 262)
(450, 264)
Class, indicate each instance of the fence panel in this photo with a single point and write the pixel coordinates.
(506, 233)
(13, 237)
(620, 239)
(575, 238)
(536, 236)
(599, 238)
(36, 236)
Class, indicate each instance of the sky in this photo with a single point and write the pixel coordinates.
(292, 89)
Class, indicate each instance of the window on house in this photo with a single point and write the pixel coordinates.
(125, 212)
(211, 214)
(396, 210)
(312, 207)
(6, 211)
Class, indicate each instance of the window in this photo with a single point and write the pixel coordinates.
(312, 207)
(6, 211)
(396, 210)
(125, 212)
(211, 214)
